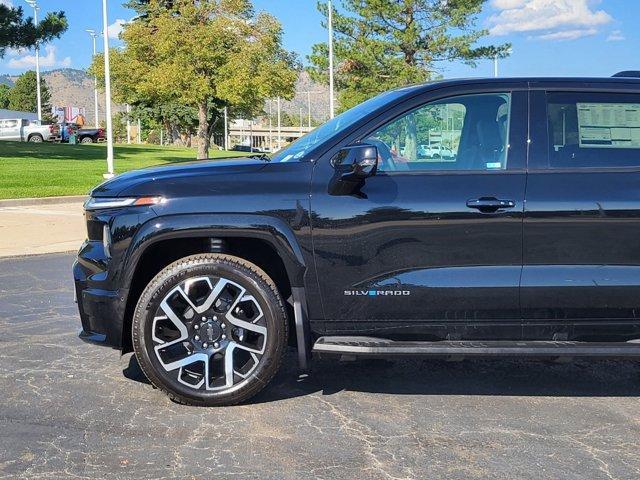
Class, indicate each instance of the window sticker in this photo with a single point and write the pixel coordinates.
(609, 125)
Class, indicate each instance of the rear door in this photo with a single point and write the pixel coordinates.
(11, 130)
(426, 247)
(581, 275)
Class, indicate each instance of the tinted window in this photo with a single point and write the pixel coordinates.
(593, 130)
(339, 124)
(10, 123)
(468, 132)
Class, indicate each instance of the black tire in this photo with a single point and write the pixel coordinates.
(36, 138)
(86, 140)
(197, 268)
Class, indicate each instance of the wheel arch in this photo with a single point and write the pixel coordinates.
(177, 236)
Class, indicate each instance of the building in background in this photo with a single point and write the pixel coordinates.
(12, 114)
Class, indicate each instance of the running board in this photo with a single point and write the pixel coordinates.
(367, 346)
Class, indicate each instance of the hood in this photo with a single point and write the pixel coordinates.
(134, 181)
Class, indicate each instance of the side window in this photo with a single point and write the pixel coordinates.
(10, 123)
(469, 132)
(589, 130)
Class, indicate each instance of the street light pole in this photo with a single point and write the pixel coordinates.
(279, 123)
(332, 109)
(107, 81)
(94, 35)
(309, 108)
(270, 127)
(34, 4)
(226, 128)
(495, 66)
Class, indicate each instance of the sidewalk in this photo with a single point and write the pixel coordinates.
(28, 229)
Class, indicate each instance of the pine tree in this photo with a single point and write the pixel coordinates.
(384, 44)
(19, 32)
(23, 96)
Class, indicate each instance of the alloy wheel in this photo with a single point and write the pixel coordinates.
(209, 333)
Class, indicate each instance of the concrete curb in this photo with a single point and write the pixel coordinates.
(27, 202)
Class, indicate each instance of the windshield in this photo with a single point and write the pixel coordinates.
(305, 144)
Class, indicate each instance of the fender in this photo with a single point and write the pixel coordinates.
(270, 229)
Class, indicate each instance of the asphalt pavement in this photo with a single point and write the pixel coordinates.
(72, 410)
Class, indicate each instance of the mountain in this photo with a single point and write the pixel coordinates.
(74, 88)
(6, 80)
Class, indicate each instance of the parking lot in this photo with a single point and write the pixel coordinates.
(71, 410)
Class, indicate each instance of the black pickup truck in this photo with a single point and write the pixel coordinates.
(522, 241)
(83, 135)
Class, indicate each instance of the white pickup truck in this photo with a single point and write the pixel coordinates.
(21, 130)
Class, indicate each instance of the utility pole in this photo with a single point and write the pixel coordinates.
(107, 81)
(34, 5)
(94, 35)
(495, 66)
(332, 109)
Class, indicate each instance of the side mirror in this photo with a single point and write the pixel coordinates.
(356, 163)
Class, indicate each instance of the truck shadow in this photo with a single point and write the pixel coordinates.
(487, 377)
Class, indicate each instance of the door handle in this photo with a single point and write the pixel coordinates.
(490, 204)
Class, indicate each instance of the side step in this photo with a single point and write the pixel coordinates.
(368, 346)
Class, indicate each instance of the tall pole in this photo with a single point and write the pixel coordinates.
(495, 66)
(94, 35)
(309, 107)
(270, 127)
(332, 108)
(139, 132)
(107, 81)
(226, 128)
(279, 123)
(34, 4)
(128, 124)
(301, 124)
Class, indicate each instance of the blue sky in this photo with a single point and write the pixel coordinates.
(549, 37)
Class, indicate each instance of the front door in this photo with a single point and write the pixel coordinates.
(432, 244)
(581, 275)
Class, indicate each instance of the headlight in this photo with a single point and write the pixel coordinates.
(97, 203)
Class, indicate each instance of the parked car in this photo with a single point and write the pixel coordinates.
(436, 151)
(246, 148)
(523, 246)
(22, 130)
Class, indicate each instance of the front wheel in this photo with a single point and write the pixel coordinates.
(36, 138)
(86, 140)
(210, 330)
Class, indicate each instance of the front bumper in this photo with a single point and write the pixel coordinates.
(101, 310)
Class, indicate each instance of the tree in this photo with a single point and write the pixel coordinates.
(385, 44)
(19, 32)
(4, 95)
(23, 95)
(205, 55)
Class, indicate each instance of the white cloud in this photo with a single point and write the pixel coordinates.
(616, 36)
(49, 60)
(568, 34)
(547, 19)
(6, 2)
(115, 29)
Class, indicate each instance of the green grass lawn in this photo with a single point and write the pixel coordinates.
(49, 170)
